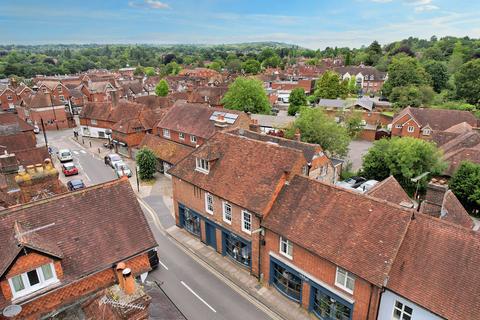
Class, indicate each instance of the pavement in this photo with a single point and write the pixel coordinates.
(200, 282)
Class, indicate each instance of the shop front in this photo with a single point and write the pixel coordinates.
(237, 248)
(189, 220)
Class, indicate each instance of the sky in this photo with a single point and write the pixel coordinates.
(309, 23)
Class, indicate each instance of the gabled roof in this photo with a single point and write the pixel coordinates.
(10, 123)
(364, 70)
(18, 141)
(277, 122)
(332, 103)
(166, 150)
(235, 158)
(354, 231)
(438, 119)
(41, 100)
(214, 95)
(194, 119)
(437, 268)
(391, 191)
(455, 158)
(91, 229)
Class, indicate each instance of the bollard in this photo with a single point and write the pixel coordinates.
(98, 150)
(83, 141)
(90, 143)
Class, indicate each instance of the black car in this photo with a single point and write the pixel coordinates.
(76, 184)
(153, 258)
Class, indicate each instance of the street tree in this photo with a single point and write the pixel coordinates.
(247, 95)
(162, 88)
(146, 162)
(404, 158)
(296, 99)
(317, 127)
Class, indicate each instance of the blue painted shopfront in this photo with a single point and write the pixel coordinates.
(236, 248)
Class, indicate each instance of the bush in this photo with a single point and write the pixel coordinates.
(146, 162)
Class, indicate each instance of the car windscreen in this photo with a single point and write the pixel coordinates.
(115, 158)
(69, 166)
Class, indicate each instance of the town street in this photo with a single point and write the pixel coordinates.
(197, 290)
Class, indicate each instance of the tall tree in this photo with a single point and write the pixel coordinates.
(404, 158)
(467, 82)
(162, 88)
(438, 72)
(296, 99)
(465, 184)
(247, 95)
(251, 66)
(146, 161)
(329, 86)
(316, 127)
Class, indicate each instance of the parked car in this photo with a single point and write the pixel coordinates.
(367, 185)
(351, 183)
(121, 169)
(153, 258)
(69, 169)
(111, 159)
(64, 155)
(36, 129)
(76, 184)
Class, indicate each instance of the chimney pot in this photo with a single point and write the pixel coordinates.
(129, 282)
(119, 269)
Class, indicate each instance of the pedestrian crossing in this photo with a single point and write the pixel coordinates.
(78, 152)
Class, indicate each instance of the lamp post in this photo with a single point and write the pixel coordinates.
(136, 175)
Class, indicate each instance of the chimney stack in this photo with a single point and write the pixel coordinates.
(119, 270)
(298, 135)
(254, 125)
(436, 189)
(114, 97)
(129, 282)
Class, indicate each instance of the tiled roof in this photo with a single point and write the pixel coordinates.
(11, 123)
(390, 190)
(166, 150)
(41, 100)
(18, 141)
(364, 70)
(214, 95)
(92, 229)
(235, 159)
(440, 119)
(465, 140)
(354, 231)
(194, 119)
(155, 101)
(437, 268)
(277, 122)
(455, 158)
(32, 156)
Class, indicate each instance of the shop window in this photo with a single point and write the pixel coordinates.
(192, 223)
(326, 306)
(286, 282)
(237, 249)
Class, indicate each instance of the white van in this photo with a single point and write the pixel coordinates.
(64, 155)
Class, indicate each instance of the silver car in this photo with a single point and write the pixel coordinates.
(121, 169)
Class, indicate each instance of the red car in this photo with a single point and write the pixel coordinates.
(69, 169)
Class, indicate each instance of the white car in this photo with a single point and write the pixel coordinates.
(64, 155)
(121, 169)
(367, 185)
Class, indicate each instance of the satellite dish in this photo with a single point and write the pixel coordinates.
(12, 310)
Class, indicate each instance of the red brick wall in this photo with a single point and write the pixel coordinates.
(59, 117)
(367, 135)
(406, 121)
(4, 102)
(76, 290)
(183, 192)
(323, 270)
(175, 136)
(131, 139)
(99, 124)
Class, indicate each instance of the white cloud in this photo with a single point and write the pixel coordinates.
(382, 1)
(427, 7)
(153, 4)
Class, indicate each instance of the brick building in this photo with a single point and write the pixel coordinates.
(223, 190)
(49, 261)
(98, 91)
(368, 79)
(46, 107)
(210, 95)
(54, 88)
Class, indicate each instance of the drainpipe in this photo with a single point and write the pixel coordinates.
(259, 250)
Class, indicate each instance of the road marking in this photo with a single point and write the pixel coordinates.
(196, 295)
(76, 152)
(163, 265)
(83, 151)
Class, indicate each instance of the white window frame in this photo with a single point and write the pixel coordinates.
(402, 310)
(202, 165)
(288, 245)
(166, 133)
(225, 204)
(398, 126)
(26, 283)
(249, 229)
(9, 98)
(208, 196)
(61, 97)
(412, 129)
(426, 132)
(93, 121)
(181, 136)
(193, 139)
(348, 275)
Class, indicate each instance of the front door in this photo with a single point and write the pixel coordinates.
(210, 232)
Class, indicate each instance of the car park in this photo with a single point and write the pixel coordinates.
(64, 155)
(351, 183)
(69, 169)
(367, 185)
(111, 159)
(121, 169)
(76, 184)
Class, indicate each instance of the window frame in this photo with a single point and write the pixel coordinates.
(288, 245)
(166, 133)
(426, 132)
(402, 310)
(244, 213)
(181, 136)
(28, 289)
(398, 126)
(410, 131)
(207, 203)
(202, 165)
(193, 139)
(224, 215)
(348, 275)
(93, 121)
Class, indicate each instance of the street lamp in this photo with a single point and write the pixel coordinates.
(137, 168)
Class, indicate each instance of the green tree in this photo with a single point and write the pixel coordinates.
(161, 89)
(247, 95)
(456, 59)
(149, 71)
(329, 86)
(296, 99)
(234, 65)
(404, 71)
(467, 82)
(272, 62)
(251, 66)
(316, 127)
(172, 68)
(404, 158)
(439, 74)
(374, 52)
(354, 123)
(139, 71)
(348, 58)
(215, 65)
(146, 162)
(353, 87)
(465, 184)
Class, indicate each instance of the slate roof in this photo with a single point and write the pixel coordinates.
(235, 159)
(332, 103)
(165, 149)
(90, 229)
(390, 190)
(359, 233)
(194, 119)
(437, 268)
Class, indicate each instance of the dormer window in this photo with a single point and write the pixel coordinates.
(32, 280)
(193, 139)
(166, 133)
(202, 165)
(426, 132)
